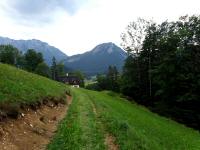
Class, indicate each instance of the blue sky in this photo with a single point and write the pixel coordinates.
(76, 26)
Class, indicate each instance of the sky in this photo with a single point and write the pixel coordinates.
(76, 26)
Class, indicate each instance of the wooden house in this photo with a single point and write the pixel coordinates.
(71, 80)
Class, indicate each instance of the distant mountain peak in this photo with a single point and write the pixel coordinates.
(47, 50)
(92, 62)
(98, 59)
(106, 48)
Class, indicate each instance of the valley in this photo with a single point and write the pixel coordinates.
(93, 121)
(90, 62)
(99, 75)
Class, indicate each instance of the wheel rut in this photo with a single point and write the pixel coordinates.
(109, 141)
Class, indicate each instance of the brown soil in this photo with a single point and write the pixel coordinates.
(110, 142)
(33, 130)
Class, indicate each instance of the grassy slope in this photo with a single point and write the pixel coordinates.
(133, 126)
(20, 87)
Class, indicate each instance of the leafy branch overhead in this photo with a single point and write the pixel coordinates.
(134, 35)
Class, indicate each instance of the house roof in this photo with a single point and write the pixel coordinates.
(73, 80)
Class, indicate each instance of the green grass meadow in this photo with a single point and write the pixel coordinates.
(134, 127)
(93, 115)
(21, 87)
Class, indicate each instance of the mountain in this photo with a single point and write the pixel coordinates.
(92, 62)
(39, 46)
(98, 59)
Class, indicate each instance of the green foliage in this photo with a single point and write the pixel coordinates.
(110, 81)
(167, 68)
(8, 54)
(93, 86)
(60, 69)
(54, 70)
(43, 70)
(102, 82)
(129, 81)
(57, 69)
(134, 35)
(32, 59)
(21, 62)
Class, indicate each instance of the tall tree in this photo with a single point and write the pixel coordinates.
(169, 69)
(134, 35)
(54, 71)
(8, 54)
(32, 59)
(102, 83)
(110, 81)
(21, 62)
(60, 69)
(132, 41)
(43, 69)
(112, 78)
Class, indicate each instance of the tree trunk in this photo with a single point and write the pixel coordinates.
(150, 81)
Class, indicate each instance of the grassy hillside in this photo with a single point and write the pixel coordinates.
(93, 115)
(20, 87)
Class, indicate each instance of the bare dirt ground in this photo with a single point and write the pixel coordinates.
(34, 129)
(110, 142)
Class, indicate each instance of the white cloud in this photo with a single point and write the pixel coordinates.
(95, 22)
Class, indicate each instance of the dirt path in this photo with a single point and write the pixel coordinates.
(34, 129)
(109, 139)
(110, 142)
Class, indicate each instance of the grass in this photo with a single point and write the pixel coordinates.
(80, 129)
(92, 115)
(88, 82)
(137, 128)
(133, 126)
(20, 87)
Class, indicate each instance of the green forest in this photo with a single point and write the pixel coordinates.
(162, 70)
